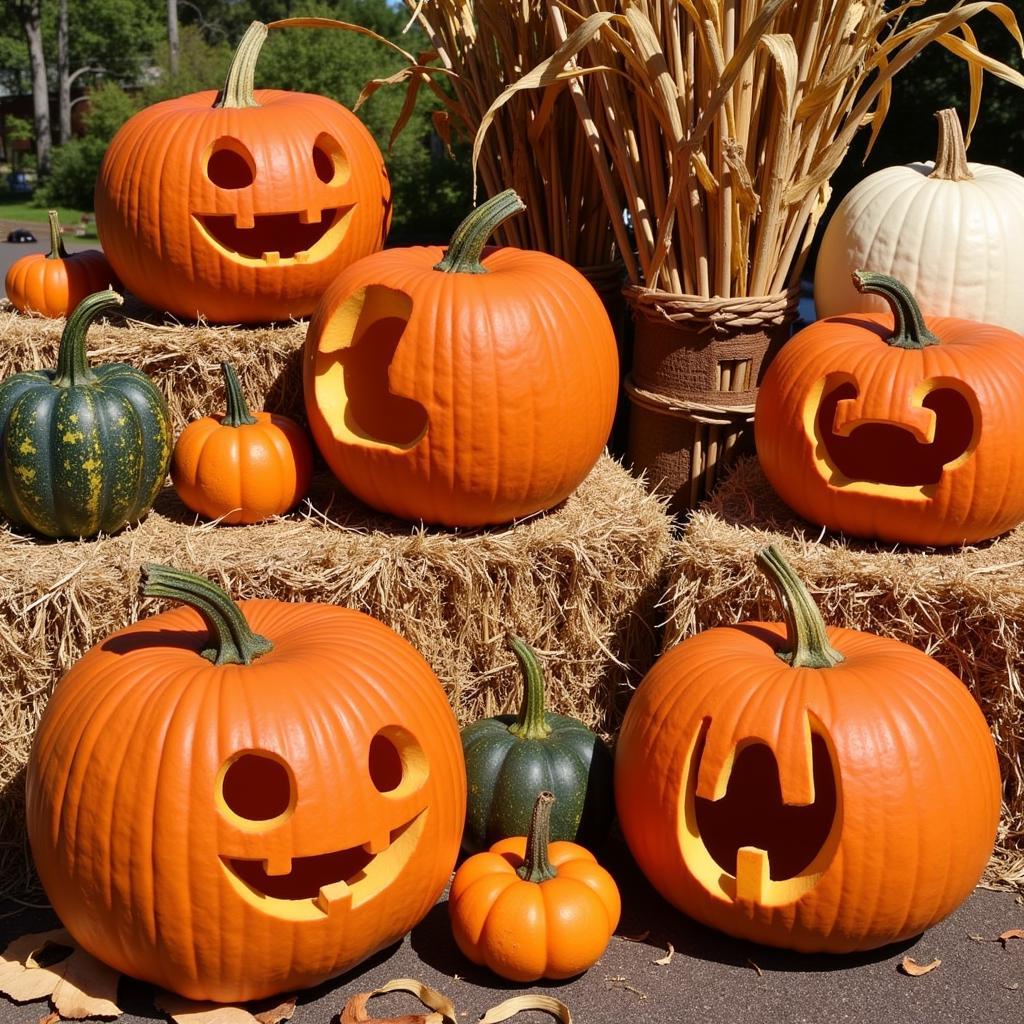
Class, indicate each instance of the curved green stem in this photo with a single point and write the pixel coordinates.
(72, 364)
(807, 643)
(57, 250)
(234, 642)
(238, 411)
(909, 330)
(467, 245)
(951, 154)
(532, 723)
(536, 867)
(238, 86)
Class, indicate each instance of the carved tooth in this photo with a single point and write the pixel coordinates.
(752, 874)
(273, 258)
(280, 864)
(379, 843)
(245, 220)
(331, 895)
(311, 216)
(302, 257)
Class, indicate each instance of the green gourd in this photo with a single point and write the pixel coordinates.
(83, 449)
(510, 759)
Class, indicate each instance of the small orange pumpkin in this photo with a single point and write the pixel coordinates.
(243, 468)
(240, 206)
(530, 909)
(457, 386)
(55, 283)
(815, 788)
(897, 427)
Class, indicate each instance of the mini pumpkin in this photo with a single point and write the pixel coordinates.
(949, 230)
(240, 206)
(279, 786)
(243, 468)
(510, 756)
(460, 388)
(897, 427)
(83, 449)
(815, 788)
(54, 283)
(528, 909)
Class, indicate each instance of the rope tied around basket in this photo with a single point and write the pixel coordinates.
(718, 315)
(699, 412)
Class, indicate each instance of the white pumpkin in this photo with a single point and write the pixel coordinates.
(953, 232)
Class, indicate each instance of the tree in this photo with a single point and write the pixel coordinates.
(172, 35)
(29, 15)
(63, 74)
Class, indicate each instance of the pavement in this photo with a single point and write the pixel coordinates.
(711, 978)
(11, 251)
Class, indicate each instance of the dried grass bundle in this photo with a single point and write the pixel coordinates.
(721, 121)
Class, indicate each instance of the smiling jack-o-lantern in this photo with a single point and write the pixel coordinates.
(240, 206)
(263, 822)
(897, 428)
(817, 789)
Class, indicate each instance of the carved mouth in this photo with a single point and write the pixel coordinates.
(276, 239)
(313, 887)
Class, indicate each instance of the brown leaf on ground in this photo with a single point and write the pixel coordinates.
(620, 981)
(520, 1004)
(355, 1011)
(642, 937)
(760, 973)
(908, 965)
(78, 984)
(667, 959)
(281, 1011)
(186, 1011)
(1013, 933)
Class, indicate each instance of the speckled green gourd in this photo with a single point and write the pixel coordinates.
(83, 449)
(510, 759)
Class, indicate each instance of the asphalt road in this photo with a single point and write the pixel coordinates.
(10, 251)
(711, 979)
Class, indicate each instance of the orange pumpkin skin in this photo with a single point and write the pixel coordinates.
(461, 398)
(142, 847)
(53, 284)
(244, 468)
(527, 930)
(191, 196)
(901, 845)
(916, 448)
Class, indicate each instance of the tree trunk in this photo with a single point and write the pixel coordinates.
(172, 33)
(31, 20)
(63, 73)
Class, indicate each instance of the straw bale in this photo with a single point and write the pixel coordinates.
(579, 583)
(183, 359)
(964, 606)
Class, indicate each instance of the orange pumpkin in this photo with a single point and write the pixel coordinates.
(817, 789)
(232, 800)
(55, 283)
(897, 427)
(458, 390)
(240, 206)
(242, 468)
(528, 909)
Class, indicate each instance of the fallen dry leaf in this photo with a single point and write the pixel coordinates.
(908, 965)
(187, 1011)
(355, 1011)
(1013, 933)
(667, 959)
(642, 937)
(519, 1004)
(760, 973)
(78, 984)
(281, 1011)
(621, 982)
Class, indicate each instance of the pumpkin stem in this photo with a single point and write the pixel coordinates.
(532, 723)
(238, 85)
(234, 642)
(909, 330)
(807, 643)
(536, 867)
(467, 245)
(238, 412)
(57, 250)
(951, 155)
(72, 363)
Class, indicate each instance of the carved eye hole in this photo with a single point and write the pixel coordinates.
(230, 165)
(329, 160)
(398, 765)
(257, 787)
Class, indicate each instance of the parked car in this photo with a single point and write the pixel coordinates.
(20, 235)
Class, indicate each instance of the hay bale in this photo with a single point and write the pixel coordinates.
(579, 583)
(184, 360)
(964, 606)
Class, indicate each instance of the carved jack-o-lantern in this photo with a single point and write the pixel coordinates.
(261, 823)
(240, 206)
(898, 428)
(817, 789)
